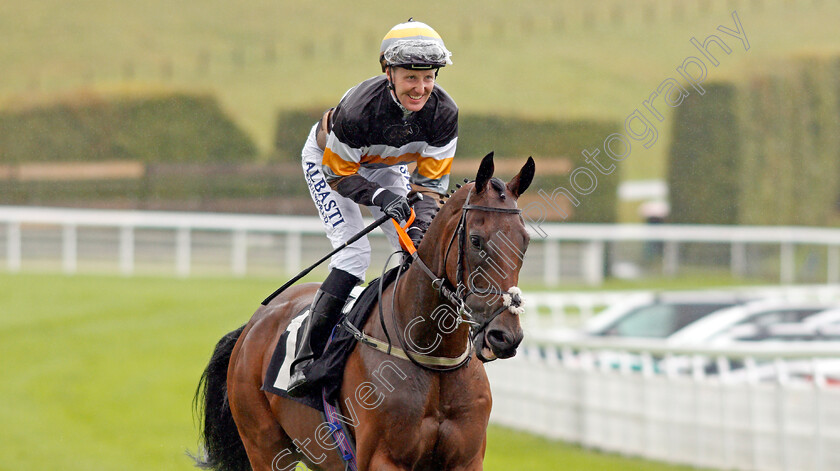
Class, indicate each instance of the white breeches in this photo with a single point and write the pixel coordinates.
(342, 217)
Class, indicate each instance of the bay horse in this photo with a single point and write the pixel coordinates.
(425, 406)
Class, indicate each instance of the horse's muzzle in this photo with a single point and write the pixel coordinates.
(498, 343)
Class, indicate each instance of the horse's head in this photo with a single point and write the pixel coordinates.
(487, 240)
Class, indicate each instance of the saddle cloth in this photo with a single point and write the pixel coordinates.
(328, 370)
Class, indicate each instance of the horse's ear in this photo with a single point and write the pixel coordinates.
(523, 179)
(485, 173)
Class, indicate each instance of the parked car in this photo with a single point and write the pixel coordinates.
(750, 321)
(706, 321)
(648, 315)
(820, 326)
(692, 318)
(661, 316)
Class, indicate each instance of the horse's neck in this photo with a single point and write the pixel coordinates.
(425, 317)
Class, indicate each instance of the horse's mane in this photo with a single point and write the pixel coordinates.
(450, 203)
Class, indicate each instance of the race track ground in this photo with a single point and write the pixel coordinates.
(98, 373)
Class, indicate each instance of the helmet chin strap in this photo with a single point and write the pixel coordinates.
(406, 111)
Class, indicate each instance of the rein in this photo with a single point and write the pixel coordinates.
(511, 300)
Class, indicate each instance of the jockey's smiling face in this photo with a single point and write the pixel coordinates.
(412, 87)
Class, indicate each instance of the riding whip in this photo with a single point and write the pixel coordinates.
(382, 219)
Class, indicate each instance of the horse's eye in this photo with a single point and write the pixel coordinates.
(475, 241)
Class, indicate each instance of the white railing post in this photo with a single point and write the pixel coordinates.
(239, 253)
(126, 249)
(647, 413)
(69, 248)
(726, 442)
(13, 247)
(819, 413)
(782, 428)
(787, 263)
(670, 258)
(182, 251)
(551, 267)
(293, 249)
(833, 264)
(738, 259)
(594, 263)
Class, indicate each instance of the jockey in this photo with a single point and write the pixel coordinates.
(358, 155)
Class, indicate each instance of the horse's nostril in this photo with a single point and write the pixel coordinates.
(497, 337)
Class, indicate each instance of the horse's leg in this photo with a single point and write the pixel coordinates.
(477, 463)
(277, 433)
(261, 435)
(307, 431)
(264, 440)
(381, 461)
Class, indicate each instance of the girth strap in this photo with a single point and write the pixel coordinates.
(384, 347)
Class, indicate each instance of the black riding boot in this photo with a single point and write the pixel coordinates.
(324, 314)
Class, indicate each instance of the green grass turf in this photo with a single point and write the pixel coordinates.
(513, 450)
(99, 373)
(541, 58)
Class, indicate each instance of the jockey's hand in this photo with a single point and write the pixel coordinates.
(393, 205)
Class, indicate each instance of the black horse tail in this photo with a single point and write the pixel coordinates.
(221, 447)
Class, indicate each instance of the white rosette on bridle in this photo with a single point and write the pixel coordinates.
(512, 300)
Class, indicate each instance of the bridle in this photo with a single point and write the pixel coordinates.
(457, 295)
(462, 290)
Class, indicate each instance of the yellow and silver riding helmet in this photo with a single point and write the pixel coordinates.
(413, 45)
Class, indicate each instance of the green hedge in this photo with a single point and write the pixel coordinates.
(255, 187)
(703, 164)
(765, 150)
(510, 138)
(792, 165)
(174, 127)
(517, 138)
(292, 128)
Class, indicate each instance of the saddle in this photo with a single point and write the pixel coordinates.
(328, 370)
